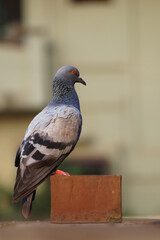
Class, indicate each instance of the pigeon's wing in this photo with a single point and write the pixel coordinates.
(17, 158)
(44, 148)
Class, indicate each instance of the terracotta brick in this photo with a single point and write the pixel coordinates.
(85, 199)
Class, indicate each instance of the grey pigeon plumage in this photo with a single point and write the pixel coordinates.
(50, 137)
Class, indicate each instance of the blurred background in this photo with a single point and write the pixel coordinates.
(115, 44)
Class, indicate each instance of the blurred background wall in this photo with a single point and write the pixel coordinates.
(116, 46)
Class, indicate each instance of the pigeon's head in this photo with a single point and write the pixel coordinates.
(68, 75)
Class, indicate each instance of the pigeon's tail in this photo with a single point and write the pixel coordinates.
(27, 204)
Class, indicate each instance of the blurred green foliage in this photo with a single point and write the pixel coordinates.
(40, 209)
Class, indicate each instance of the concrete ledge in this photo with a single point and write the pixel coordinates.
(86, 199)
(129, 229)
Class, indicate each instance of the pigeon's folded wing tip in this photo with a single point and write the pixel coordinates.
(13, 201)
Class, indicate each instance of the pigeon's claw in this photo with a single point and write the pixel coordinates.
(59, 172)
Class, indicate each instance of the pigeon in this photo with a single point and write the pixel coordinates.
(50, 138)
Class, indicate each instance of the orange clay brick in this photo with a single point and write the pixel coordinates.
(86, 199)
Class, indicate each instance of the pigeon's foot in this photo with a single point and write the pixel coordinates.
(59, 172)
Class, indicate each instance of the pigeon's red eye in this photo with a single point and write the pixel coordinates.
(74, 72)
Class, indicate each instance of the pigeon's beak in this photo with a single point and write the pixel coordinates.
(80, 80)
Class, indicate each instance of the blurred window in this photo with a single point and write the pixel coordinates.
(87, 166)
(10, 20)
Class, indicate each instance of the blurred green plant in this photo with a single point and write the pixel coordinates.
(41, 204)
